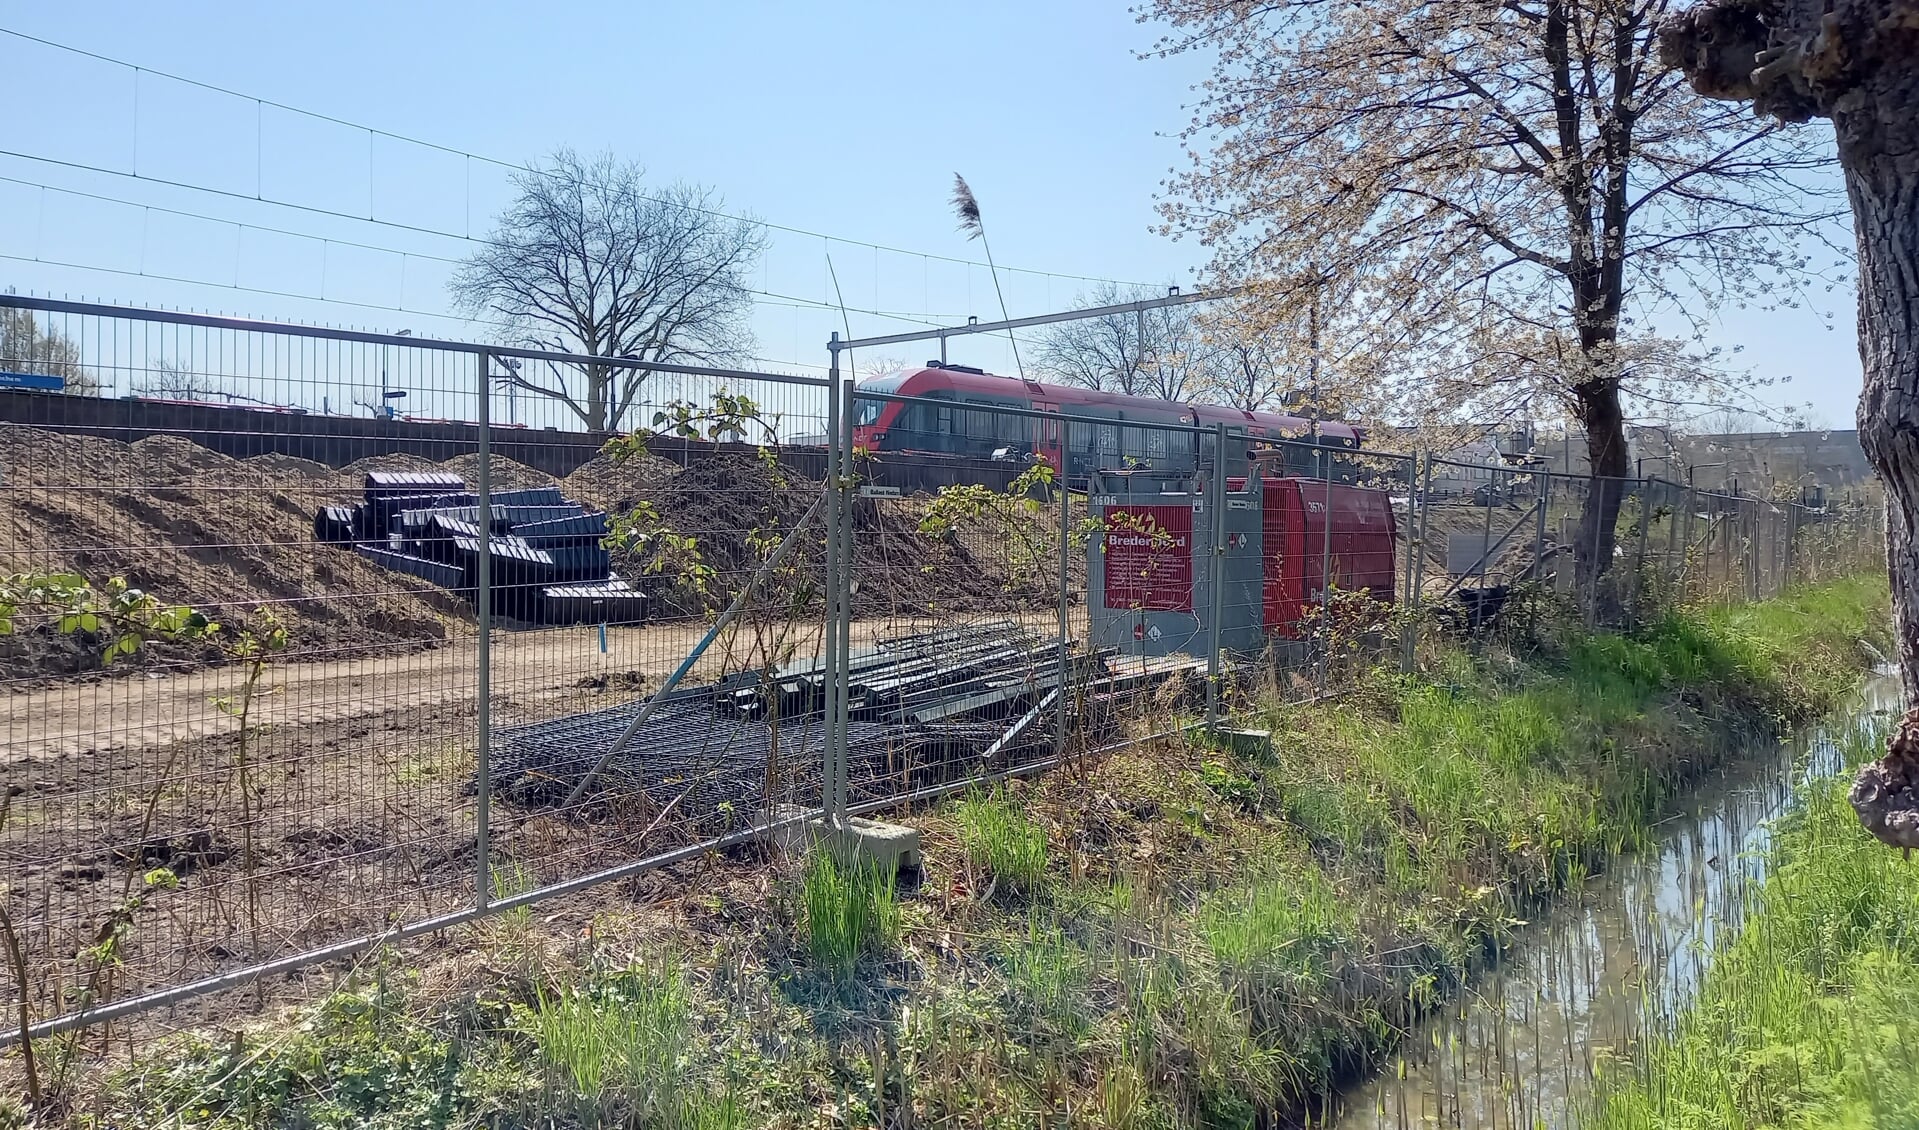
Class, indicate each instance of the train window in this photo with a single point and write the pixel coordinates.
(1079, 437)
(943, 424)
(1012, 429)
(1108, 436)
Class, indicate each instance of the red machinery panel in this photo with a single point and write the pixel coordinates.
(1295, 533)
(1149, 558)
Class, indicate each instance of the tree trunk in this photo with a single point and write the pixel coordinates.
(1605, 423)
(598, 378)
(1878, 130)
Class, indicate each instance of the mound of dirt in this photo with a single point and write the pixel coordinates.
(506, 474)
(614, 486)
(195, 527)
(227, 536)
(735, 508)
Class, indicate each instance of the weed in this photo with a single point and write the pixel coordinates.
(619, 1047)
(1002, 840)
(1047, 976)
(851, 912)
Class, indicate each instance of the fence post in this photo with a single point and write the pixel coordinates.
(1486, 542)
(1422, 489)
(483, 616)
(1216, 571)
(1672, 541)
(849, 559)
(1324, 456)
(1792, 539)
(835, 566)
(1545, 493)
(1060, 705)
(1412, 549)
(1639, 557)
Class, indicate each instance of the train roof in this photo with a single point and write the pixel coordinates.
(991, 384)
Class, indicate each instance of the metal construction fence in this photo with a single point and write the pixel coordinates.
(442, 688)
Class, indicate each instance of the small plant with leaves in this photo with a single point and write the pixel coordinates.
(1014, 514)
(129, 616)
(253, 649)
(643, 530)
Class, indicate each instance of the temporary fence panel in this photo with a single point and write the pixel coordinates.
(463, 666)
(477, 667)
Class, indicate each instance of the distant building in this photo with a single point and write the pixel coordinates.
(1752, 462)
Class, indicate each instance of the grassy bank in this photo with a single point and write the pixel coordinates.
(1811, 1018)
(1174, 936)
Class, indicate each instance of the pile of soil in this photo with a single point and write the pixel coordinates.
(615, 485)
(225, 535)
(727, 503)
(192, 526)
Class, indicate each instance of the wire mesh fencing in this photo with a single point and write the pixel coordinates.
(283, 682)
(313, 646)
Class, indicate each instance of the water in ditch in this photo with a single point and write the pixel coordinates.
(1595, 972)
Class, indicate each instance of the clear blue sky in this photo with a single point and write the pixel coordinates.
(847, 119)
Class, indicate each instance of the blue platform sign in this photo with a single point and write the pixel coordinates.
(32, 380)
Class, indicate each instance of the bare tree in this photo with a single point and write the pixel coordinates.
(588, 260)
(1160, 353)
(177, 381)
(886, 366)
(28, 347)
(1245, 374)
(1502, 191)
(1857, 63)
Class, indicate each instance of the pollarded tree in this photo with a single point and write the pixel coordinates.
(1857, 63)
(590, 260)
(1502, 188)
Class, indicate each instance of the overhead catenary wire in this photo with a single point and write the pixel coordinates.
(454, 151)
(766, 297)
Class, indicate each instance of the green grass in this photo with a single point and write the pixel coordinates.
(851, 912)
(618, 1047)
(1002, 841)
(1810, 1019)
(1189, 938)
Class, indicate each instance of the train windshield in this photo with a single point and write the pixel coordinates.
(867, 412)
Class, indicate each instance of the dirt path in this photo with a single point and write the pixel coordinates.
(530, 670)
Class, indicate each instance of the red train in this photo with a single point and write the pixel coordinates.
(956, 417)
